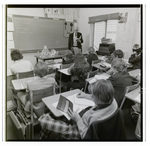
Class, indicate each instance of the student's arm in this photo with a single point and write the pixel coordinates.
(81, 126)
(84, 95)
(70, 69)
(134, 59)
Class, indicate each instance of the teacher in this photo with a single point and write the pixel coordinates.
(75, 41)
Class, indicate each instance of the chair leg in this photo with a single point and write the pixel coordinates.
(85, 86)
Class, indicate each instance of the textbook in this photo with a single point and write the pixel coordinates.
(64, 104)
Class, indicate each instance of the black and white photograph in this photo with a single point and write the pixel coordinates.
(74, 72)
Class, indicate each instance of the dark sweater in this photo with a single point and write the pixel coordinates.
(91, 57)
(120, 81)
(136, 61)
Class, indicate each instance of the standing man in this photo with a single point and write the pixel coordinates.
(75, 41)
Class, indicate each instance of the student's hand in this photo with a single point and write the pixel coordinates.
(74, 115)
(81, 95)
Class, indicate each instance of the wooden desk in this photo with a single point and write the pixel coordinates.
(134, 73)
(20, 84)
(52, 99)
(49, 57)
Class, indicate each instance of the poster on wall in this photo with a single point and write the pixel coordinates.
(68, 28)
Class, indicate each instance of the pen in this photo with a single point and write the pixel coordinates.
(80, 91)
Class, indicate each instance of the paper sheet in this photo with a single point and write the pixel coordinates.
(83, 101)
(138, 98)
(106, 64)
(98, 77)
(64, 71)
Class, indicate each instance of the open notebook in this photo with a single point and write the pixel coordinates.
(72, 101)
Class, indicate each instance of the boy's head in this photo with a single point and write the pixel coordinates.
(102, 92)
(41, 69)
(91, 50)
(69, 55)
(118, 54)
(136, 46)
(16, 55)
(119, 65)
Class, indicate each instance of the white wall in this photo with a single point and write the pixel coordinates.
(127, 33)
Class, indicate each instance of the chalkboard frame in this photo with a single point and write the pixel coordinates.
(37, 17)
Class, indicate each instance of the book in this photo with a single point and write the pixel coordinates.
(74, 106)
(64, 104)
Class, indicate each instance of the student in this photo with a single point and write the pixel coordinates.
(41, 81)
(112, 48)
(102, 93)
(116, 54)
(79, 71)
(120, 79)
(20, 65)
(92, 55)
(68, 59)
(135, 58)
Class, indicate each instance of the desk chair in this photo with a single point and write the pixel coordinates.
(110, 129)
(36, 97)
(22, 75)
(138, 128)
(61, 83)
(90, 74)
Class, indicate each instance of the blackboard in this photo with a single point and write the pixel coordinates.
(32, 33)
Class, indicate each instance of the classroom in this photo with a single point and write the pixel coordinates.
(74, 73)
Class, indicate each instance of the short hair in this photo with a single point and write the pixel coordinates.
(16, 55)
(69, 54)
(118, 53)
(119, 64)
(91, 50)
(102, 90)
(136, 46)
(41, 69)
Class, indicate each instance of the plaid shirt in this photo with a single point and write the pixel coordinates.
(49, 124)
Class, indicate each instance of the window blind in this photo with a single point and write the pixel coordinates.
(99, 33)
(111, 29)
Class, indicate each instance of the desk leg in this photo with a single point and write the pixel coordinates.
(37, 59)
(60, 83)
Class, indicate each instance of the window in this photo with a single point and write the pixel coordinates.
(106, 29)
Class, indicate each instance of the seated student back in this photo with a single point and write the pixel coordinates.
(19, 65)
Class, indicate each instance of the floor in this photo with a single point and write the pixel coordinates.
(12, 135)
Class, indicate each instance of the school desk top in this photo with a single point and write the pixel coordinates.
(134, 95)
(48, 57)
(54, 98)
(21, 84)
